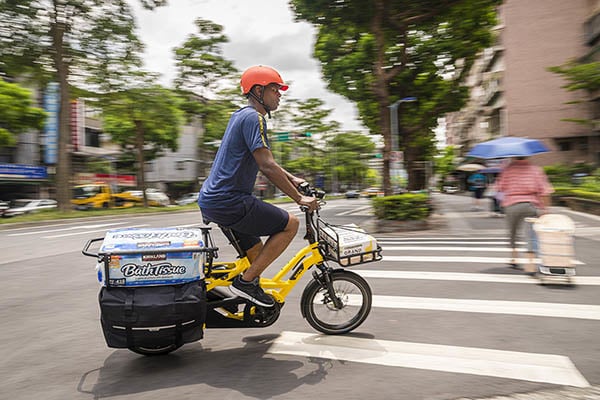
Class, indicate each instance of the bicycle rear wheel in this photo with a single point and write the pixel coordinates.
(322, 314)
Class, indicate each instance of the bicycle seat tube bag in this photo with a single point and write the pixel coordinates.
(153, 291)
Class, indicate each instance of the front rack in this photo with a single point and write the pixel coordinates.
(347, 245)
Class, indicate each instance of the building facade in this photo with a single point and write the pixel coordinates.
(25, 173)
(513, 92)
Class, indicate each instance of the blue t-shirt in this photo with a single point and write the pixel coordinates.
(234, 169)
(477, 181)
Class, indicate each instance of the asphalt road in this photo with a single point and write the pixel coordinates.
(449, 321)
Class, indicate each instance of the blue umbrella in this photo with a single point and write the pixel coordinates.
(508, 146)
(490, 170)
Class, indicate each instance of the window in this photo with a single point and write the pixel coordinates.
(565, 146)
(92, 137)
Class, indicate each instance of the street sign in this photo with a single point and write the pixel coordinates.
(282, 136)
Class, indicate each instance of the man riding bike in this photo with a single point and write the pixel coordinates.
(226, 196)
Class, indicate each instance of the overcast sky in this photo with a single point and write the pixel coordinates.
(259, 32)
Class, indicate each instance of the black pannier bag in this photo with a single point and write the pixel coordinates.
(153, 318)
(153, 298)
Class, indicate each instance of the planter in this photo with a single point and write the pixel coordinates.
(583, 205)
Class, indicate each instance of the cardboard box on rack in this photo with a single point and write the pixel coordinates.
(161, 259)
(347, 243)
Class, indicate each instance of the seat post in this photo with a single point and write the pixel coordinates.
(233, 240)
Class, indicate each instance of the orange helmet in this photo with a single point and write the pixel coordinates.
(260, 75)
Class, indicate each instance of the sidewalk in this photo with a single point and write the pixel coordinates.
(567, 393)
(453, 216)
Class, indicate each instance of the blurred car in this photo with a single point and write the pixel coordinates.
(155, 197)
(352, 194)
(26, 206)
(3, 206)
(187, 198)
(372, 192)
(450, 189)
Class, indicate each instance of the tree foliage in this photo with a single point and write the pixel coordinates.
(17, 114)
(199, 60)
(377, 52)
(347, 158)
(444, 163)
(580, 75)
(145, 120)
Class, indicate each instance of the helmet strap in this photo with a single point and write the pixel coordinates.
(261, 100)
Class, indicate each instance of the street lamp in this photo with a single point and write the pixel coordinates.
(394, 130)
(394, 119)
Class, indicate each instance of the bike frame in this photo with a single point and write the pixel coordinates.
(222, 273)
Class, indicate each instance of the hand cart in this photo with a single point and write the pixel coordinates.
(555, 247)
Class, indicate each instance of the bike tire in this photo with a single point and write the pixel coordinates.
(318, 309)
(154, 351)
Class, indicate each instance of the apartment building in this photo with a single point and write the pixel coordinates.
(513, 93)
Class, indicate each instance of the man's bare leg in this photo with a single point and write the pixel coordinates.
(261, 256)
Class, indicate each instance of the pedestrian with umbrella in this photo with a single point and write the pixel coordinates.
(525, 187)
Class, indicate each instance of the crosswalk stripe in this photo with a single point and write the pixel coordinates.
(534, 367)
(451, 248)
(453, 238)
(556, 310)
(467, 276)
(460, 259)
(470, 242)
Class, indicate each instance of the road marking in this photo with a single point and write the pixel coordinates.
(452, 248)
(471, 242)
(533, 367)
(86, 232)
(452, 238)
(467, 277)
(354, 211)
(459, 259)
(555, 310)
(66, 229)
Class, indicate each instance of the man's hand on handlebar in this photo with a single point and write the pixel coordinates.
(309, 202)
(310, 196)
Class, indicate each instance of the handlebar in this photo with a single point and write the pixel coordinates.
(308, 190)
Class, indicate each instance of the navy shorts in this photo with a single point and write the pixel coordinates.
(250, 219)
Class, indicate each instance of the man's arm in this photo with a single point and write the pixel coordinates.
(285, 181)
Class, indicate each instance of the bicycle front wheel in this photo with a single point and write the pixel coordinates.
(320, 310)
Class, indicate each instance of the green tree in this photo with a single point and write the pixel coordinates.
(444, 163)
(205, 79)
(200, 64)
(145, 120)
(376, 52)
(70, 42)
(347, 157)
(309, 129)
(17, 114)
(580, 75)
